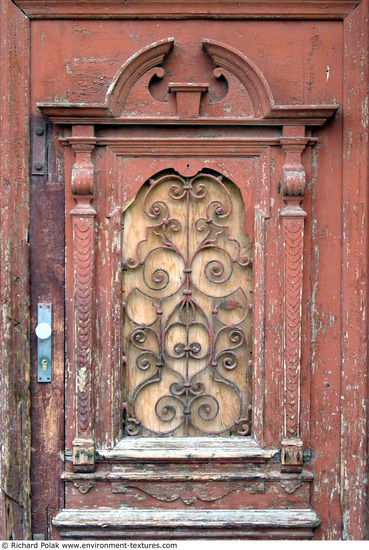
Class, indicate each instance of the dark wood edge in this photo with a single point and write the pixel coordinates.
(192, 9)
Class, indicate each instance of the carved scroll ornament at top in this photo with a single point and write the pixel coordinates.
(235, 89)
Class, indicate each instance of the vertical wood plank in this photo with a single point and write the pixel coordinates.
(47, 285)
(354, 380)
(14, 272)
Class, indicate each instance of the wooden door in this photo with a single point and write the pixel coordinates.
(177, 208)
(168, 232)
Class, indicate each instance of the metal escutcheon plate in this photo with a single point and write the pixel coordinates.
(44, 342)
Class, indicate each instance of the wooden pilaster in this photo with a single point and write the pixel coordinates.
(83, 242)
(292, 218)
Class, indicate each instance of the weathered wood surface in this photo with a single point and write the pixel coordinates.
(200, 485)
(292, 216)
(200, 518)
(354, 406)
(175, 448)
(47, 242)
(302, 61)
(83, 222)
(154, 472)
(339, 311)
(124, 183)
(14, 274)
(47, 285)
(245, 523)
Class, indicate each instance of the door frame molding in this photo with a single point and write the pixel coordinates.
(293, 121)
(194, 9)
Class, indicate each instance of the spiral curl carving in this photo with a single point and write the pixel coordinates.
(177, 191)
(228, 359)
(165, 411)
(199, 191)
(147, 360)
(197, 388)
(215, 271)
(139, 337)
(158, 209)
(159, 277)
(209, 410)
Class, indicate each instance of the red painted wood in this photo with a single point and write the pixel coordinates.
(194, 9)
(354, 382)
(314, 55)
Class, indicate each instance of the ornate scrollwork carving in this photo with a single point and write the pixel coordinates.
(293, 284)
(194, 342)
(189, 493)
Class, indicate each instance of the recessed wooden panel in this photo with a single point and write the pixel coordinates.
(188, 310)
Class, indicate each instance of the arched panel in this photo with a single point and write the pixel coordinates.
(188, 308)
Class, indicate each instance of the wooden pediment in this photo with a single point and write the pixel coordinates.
(247, 93)
(247, 98)
(229, 61)
(143, 65)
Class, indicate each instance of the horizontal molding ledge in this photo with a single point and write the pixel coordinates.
(68, 121)
(178, 147)
(130, 473)
(177, 449)
(193, 147)
(191, 9)
(279, 115)
(147, 523)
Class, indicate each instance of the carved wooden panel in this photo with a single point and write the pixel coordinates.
(188, 309)
(175, 355)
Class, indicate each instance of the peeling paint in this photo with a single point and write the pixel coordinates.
(335, 335)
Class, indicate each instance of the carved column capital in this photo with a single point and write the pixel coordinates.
(293, 144)
(83, 169)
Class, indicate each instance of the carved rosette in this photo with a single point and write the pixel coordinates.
(83, 215)
(292, 217)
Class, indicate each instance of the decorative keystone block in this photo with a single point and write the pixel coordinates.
(188, 98)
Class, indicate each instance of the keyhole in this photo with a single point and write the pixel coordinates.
(44, 364)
